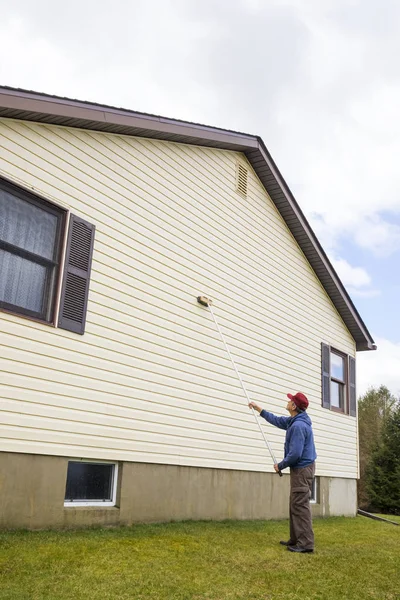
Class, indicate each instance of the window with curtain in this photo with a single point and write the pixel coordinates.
(30, 241)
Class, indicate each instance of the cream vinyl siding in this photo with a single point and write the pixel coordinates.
(150, 380)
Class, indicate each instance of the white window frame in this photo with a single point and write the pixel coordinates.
(314, 491)
(98, 503)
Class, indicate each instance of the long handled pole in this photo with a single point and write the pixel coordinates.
(206, 302)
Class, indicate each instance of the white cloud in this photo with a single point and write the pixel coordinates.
(32, 61)
(356, 279)
(380, 367)
(355, 276)
(340, 122)
(357, 293)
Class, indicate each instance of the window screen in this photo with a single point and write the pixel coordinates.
(90, 482)
(29, 252)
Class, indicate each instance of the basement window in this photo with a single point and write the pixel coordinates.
(91, 483)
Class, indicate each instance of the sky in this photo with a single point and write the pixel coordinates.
(318, 80)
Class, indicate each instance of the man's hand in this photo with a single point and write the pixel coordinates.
(255, 406)
(276, 468)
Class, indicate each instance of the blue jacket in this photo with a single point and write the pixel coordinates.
(299, 441)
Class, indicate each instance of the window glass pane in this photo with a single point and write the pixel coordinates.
(22, 282)
(27, 226)
(335, 394)
(89, 481)
(337, 366)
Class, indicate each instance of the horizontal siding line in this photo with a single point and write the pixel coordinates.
(265, 275)
(188, 451)
(254, 388)
(229, 315)
(251, 352)
(245, 362)
(238, 408)
(188, 325)
(267, 293)
(209, 409)
(157, 174)
(233, 338)
(224, 398)
(149, 283)
(157, 444)
(236, 430)
(220, 284)
(239, 428)
(150, 358)
(235, 401)
(138, 374)
(178, 436)
(78, 361)
(70, 451)
(235, 410)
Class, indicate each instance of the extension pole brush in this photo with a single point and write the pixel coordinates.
(204, 301)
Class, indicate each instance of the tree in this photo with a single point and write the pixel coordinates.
(383, 471)
(374, 407)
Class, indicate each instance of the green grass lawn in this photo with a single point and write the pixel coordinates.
(395, 518)
(355, 559)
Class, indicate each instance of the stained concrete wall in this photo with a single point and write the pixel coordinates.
(343, 497)
(32, 491)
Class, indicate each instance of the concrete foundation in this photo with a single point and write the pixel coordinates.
(32, 489)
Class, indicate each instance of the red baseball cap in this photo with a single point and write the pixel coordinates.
(300, 400)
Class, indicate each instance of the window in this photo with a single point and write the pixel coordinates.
(91, 483)
(338, 381)
(30, 245)
(314, 492)
(32, 231)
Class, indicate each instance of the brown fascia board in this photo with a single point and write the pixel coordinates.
(44, 108)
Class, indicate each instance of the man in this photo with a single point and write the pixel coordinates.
(300, 456)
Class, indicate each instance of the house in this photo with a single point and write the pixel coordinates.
(118, 400)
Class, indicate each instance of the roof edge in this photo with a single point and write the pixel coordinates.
(369, 342)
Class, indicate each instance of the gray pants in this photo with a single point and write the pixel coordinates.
(301, 531)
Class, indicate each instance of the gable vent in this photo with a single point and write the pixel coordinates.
(241, 179)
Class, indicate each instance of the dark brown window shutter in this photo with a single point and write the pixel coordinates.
(352, 387)
(326, 375)
(75, 287)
